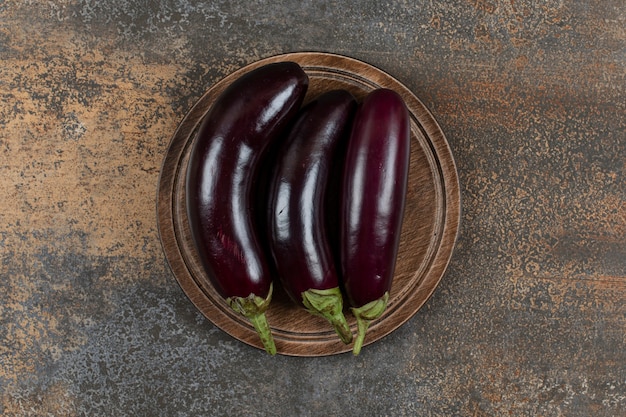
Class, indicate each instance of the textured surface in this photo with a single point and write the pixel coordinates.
(530, 318)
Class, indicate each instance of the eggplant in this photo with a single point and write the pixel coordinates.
(247, 116)
(297, 225)
(372, 206)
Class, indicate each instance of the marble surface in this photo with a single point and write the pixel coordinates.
(530, 317)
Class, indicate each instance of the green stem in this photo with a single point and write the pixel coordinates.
(362, 325)
(253, 308)
(328, 304)
(262, 327)
(364, 315)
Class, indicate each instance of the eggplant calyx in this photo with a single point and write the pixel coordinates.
(253, 308)
(364, 315)
(328, 304)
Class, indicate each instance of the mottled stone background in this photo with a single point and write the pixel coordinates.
(530, 318)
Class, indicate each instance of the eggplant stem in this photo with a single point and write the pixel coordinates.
(253, 308)
(364, 316)
(262, 327)
(328, 304)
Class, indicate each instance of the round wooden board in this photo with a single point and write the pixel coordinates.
(429, 230)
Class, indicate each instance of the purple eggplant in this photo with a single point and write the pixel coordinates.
(297, 223)
(248, 115)
(374, 193)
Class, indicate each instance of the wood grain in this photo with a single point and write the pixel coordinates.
(429, 231)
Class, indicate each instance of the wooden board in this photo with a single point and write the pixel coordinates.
(429, 231)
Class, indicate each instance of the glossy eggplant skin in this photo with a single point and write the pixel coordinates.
(374, 193)
(250, 113)
(298, 228)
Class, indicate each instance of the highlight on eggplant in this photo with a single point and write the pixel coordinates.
(374, 193)
(298, 230)
(244, 120)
